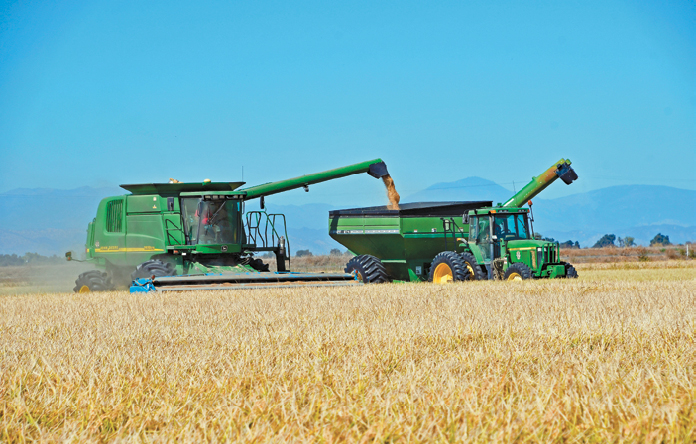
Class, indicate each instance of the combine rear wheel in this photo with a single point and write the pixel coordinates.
(448, 267)
(517, 272)
(475, 272)
(93, 280)
(153, 267)
(369, 269)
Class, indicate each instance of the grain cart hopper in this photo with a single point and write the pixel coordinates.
(452, 241)
(177, 236)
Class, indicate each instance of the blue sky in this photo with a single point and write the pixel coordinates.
(103, 93)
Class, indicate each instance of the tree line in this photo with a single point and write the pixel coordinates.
(9, 260)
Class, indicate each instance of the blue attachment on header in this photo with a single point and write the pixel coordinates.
(142, 285)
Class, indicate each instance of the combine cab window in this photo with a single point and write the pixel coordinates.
(511, 226)
(211, 222)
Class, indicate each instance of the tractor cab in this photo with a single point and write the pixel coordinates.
(501, 237)
(491, 228)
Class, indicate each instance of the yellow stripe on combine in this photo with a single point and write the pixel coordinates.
(522, 249)
(125, 250)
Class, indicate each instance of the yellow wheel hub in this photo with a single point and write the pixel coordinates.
(443, 274)
(359, 276)
(514, 277)
(472, 276)
(84, 289)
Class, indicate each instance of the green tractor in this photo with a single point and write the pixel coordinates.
(452, 241)
(178, 236)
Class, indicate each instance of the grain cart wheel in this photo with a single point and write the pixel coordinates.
(517, 272)
(153, 267)
(475, 272)
(448, 267)
(571, 272)
(93, 280)
(369, 269)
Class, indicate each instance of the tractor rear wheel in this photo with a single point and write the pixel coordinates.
(517, 272)
(153, 267)
(475, 272)
(571, 272)
(448, 267)
(368, 269)
(93, 280)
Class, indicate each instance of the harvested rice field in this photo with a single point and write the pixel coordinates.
(609, 357)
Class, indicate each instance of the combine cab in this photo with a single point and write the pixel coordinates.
(178, 236)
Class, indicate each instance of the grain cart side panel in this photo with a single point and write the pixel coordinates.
(404, 240)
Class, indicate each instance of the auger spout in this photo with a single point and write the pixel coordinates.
(560, 169)
(375, 168)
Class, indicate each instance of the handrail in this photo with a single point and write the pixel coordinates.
(258, 224)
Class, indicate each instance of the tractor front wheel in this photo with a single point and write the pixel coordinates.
(448, 267)
(153, 267)
(93, 280)
(517, 272)
(570, 271)
(368, 269)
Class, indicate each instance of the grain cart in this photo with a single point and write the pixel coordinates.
(452, 241)
(178, 236)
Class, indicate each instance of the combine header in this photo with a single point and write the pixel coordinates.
(180, 236)
(452, 241)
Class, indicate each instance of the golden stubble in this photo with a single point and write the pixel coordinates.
(552, 361)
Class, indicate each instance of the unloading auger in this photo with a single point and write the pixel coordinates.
(183, 236)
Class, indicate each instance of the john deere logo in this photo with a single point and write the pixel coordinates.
(518, 255)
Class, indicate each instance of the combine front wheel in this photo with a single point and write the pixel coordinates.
(153, 267)
(93, 280)
(517, 272)
(368, 269)
(448, 267)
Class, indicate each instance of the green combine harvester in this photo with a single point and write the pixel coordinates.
(452, 241)
(180, 236)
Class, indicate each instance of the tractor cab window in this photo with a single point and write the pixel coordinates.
(511, 226)
(483, 231)
(211, 221)
(479, 229)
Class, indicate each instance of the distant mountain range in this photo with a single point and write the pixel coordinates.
(50, 221)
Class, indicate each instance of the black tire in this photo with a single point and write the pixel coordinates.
(571, 272)
(93, 280)
(259, 265)
(475, 272)
(448, 266)
(153, 267)
(517, 271)
(369, 269)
